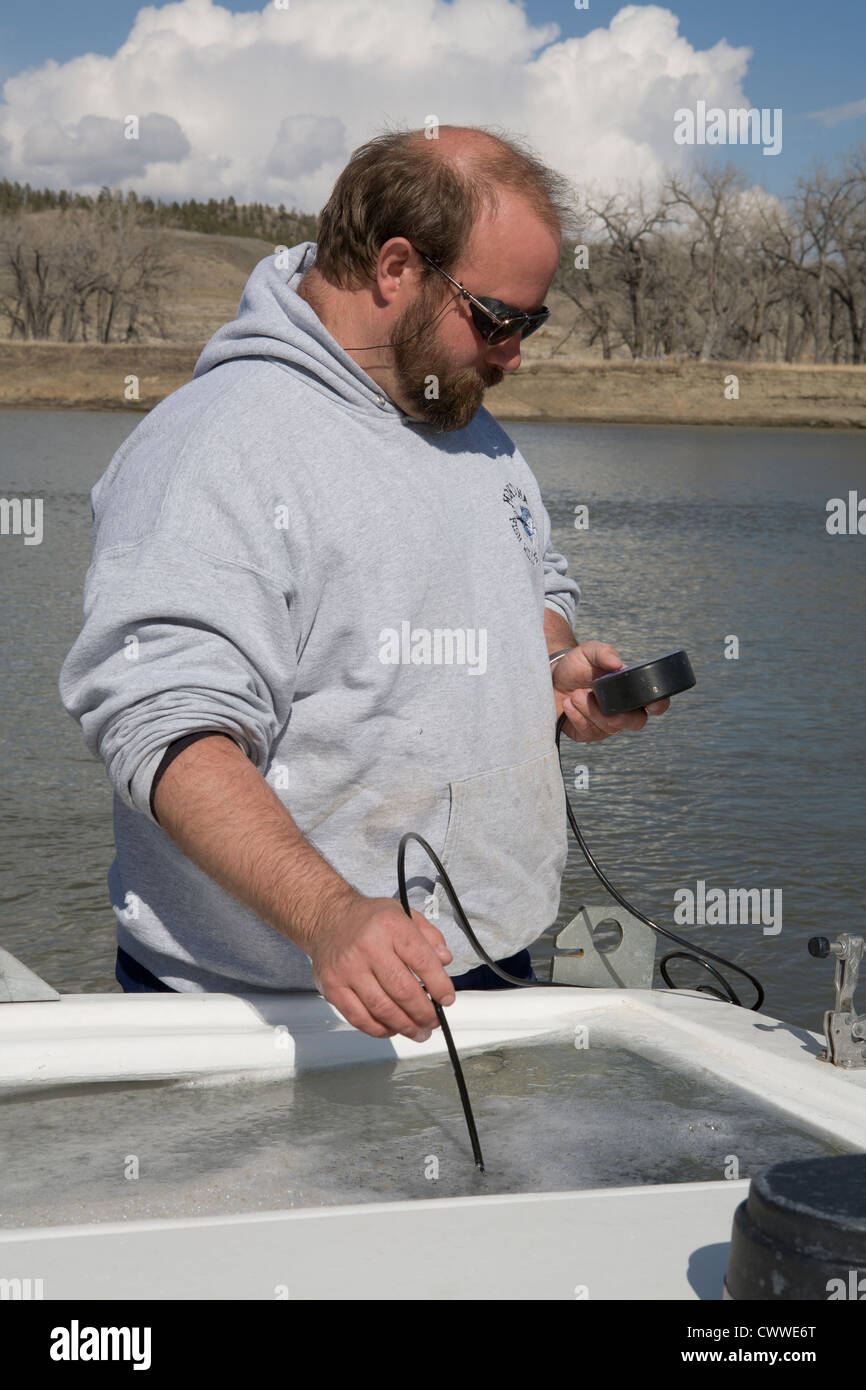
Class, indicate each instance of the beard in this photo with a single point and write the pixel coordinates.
(450, 400)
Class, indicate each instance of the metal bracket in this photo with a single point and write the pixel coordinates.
(608, 948)
(20, 985)
(844, 1030)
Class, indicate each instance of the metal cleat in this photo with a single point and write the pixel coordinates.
(844, 1031)
(605, 947)
(19, 984)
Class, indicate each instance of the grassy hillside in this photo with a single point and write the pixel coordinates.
(211, 271)
(209, 280)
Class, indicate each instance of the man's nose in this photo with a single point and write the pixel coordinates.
(505, 355)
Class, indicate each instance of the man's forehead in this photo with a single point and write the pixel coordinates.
(513, 241)
(513, 249)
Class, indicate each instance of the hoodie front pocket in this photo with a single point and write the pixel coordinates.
(505, 850)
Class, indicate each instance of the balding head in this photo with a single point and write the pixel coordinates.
(432, 187)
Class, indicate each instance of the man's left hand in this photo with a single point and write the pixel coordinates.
(572, 685)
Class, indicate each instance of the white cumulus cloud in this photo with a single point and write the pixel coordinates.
(99, 149)
(268, 106)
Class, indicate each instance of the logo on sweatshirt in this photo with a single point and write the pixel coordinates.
(521, 521)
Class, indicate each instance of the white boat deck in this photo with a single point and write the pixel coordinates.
(648, 1241)
(664, 1242)
(110, 1038)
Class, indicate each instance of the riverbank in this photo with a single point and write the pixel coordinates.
(120, 376)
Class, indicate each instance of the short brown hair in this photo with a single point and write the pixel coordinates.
(401, 184)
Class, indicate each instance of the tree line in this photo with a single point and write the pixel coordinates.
(99, 269)
(703, 267)
(708, 268)
(216, 215)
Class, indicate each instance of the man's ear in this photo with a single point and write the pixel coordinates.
(392, 264)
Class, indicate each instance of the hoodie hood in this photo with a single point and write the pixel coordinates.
(274, 323)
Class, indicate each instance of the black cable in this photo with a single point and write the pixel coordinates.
(693, 952)
(462, 919)
(708, 989)
(440, 1012)
(370, 346)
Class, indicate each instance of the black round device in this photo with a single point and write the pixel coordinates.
(636, 686)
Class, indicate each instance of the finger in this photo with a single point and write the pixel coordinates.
(595, 724)
(377, 994)
(406, 993)
(602, 655)
(658, 706)
(605, 724)
(613, 723)
(635, 719)
(346, 1002)
(578, 726)
(434, 936)
(414, 950)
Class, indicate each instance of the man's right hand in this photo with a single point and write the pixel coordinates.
(364, 957)
(220, 812)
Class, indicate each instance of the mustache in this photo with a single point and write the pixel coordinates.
(492, 376)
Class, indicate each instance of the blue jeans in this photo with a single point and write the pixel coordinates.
(136, 980)
(482, 977)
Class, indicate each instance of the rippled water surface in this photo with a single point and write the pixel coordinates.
(754, 779)
(550, 1117)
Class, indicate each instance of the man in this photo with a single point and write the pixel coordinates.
(322, 606)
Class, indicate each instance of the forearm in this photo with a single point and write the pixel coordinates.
(557, 634)
(220, 811)
(557, 631)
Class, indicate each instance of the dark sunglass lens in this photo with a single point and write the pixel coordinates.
(506, 331)
(534, 322)
(481, 321)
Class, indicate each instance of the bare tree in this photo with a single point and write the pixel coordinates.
(96, 274)
(847, 268)
(630, 224)
(713, 227)
(135, 267)
(32, 277)
(822, 242)
(763, 283)
(595, 291)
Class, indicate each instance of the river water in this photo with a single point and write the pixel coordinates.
(754, 779)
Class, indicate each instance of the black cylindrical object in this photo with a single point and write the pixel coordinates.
(801, 1233)
(636, 686)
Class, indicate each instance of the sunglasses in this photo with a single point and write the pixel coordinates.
(495, 321)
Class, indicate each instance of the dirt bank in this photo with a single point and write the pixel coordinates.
(97, 376)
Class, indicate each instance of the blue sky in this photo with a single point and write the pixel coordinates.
(806, 57)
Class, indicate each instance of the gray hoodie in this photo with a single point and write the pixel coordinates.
(357, 599)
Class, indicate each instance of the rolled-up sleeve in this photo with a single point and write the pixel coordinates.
(174, 642)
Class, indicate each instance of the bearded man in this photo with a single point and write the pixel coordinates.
(328, 479)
